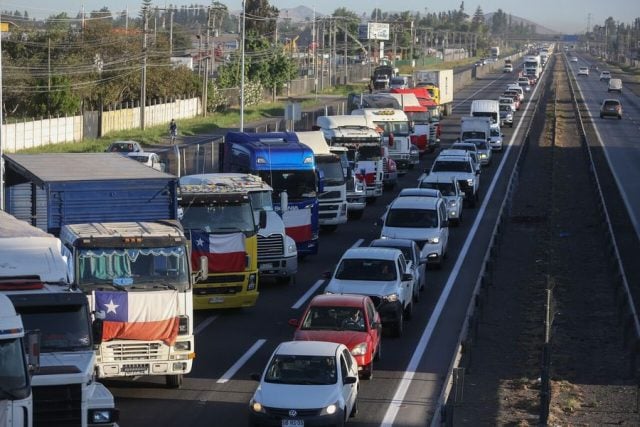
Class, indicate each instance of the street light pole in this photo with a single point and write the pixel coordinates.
(1, 126)
(242, 70)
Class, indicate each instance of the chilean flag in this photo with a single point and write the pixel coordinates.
(132, 315)
(226, 252)
(298, 224)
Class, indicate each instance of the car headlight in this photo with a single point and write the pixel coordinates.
(483, 156)
(360, 349)
(470, 181)
(391, 297)
(452, 203)
(103, 416)
(435, 240)
(330, 410)
(256, 406)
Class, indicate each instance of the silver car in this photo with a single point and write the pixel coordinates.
(451, 192)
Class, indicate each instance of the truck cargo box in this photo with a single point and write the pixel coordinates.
(50, 190)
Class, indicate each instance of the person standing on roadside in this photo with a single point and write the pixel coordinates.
(173, 130)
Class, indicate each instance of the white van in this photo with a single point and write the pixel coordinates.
(486, 108)
(615, 85)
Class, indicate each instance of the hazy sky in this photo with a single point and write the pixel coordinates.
(568, 16)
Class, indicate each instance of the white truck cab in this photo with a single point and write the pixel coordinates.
(396, 134)
(16, 404)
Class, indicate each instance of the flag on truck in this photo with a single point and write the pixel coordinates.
(297, 223)
(148, 316)
(226, 252)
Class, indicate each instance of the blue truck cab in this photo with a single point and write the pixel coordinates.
(288, 166)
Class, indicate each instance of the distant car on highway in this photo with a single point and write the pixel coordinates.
(124, 147)
(351, 320)
(611, 107)
(573, 59)
(583, 71)
(508, 68)
(506, 115)
(149, 159)
(615, 85)
(605, 75)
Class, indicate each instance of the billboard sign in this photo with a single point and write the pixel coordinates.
(373, 31)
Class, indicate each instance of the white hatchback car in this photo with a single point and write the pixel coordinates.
(583, 71)
(306, 382)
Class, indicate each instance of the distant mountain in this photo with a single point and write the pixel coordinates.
(299, 14)
(515, 20)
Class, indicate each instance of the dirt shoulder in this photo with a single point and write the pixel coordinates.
(554, 238)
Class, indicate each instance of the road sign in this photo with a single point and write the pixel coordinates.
(373, 31)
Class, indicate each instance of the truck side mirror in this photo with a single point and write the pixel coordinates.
(32, 340)
(263, 219)
(96, 330)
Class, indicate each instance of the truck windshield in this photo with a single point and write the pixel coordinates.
(369, 153)
(220, 218)
(418, 117)
(332, 169)
(62, 327)
(397, 128)
(139, 268)
(299, 184)
(435, 113)
(261, 200)
(13, 371)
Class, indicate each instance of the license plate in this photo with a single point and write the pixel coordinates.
(266, 266)
(216, 300)
(292, 423)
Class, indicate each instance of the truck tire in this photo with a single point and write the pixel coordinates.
(174, 381)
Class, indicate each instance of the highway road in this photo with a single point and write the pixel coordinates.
(230, 345)
(618, 137)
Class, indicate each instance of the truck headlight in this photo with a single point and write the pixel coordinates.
(183, 325)
(182, 346)
(103, 416)
(360, 349)
(252, 282)
(291, 248)
(470, 182)
(435, 240)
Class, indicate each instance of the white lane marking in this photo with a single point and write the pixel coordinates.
(625, 197)
(357, 243)
(236, 366)
(459, 104)
(306, 296)
(206, 322)
(409, 373)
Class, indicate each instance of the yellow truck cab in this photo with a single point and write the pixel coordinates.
(217, 215)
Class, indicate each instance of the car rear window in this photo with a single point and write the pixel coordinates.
(611, 103)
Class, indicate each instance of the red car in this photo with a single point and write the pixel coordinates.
(351, 320)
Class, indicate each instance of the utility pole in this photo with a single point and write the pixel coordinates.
(205, 78)
(143, 83)
(242, 69)
(171, 33)
(346, 60)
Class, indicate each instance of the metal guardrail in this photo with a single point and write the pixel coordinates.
(442, 414)
(631, 316)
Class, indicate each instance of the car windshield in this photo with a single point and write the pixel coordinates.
(611, 104)
(482, 145)
(366, 269)
(406, 250)
(302, 370)
(451, 166)
(333, 318)
(62, 327)
(505, 108)
(446, 188)
(122, 147)
(412, 218)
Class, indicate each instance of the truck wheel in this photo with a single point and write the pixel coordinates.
(174, 381)
(328, 228)
(355, 214)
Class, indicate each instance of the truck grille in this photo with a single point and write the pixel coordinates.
(225, 278)
(330, 195)
(137, 351)
(271, 246)
(221, 290)
(57, 406)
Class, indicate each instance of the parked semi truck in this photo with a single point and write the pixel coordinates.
(439, 83)
(332, 202)
(288, 167)
(365, 150)
(393, 125)
(117, 221)
(16, 402)
(433, 113)
(277, 252)
(34, 275)
(419, 123)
